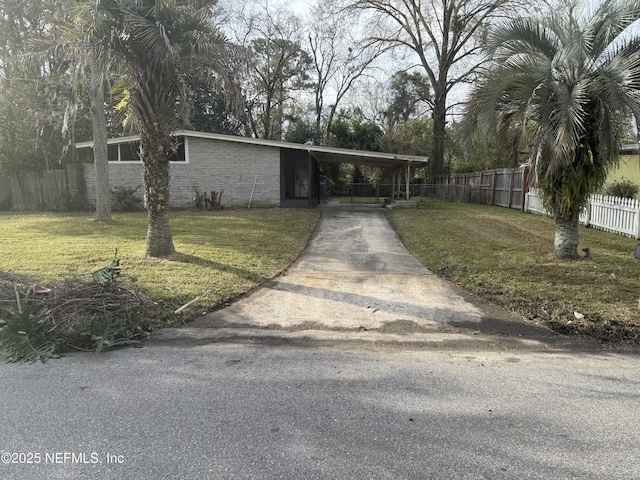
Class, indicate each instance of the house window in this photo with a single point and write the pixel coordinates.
(113, 153)
(129, 152)
(181, 154)
(124, 152)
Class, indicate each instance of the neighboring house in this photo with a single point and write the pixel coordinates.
(629, 167)
(269, 173)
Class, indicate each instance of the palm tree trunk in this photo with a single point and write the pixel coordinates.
(156, 194)
(566, 241)
(100, 150)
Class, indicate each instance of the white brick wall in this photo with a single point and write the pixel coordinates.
(212, 165)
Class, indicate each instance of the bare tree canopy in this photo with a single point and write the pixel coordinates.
(341, 56)
(279, 65)
(444, 36)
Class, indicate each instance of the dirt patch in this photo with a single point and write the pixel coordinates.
(407, 327)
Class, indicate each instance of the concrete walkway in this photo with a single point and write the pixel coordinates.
(357, 282)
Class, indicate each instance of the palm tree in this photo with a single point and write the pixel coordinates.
(157, 40)
(87, 60)
(89, 54)
(565, 83)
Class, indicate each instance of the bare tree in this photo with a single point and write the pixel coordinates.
(339, 59)
(444, 35)
(273, 37)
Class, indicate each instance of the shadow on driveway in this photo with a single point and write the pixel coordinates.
(357, 282)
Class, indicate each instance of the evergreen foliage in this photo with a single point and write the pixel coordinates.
(562, 85)
(25, 336)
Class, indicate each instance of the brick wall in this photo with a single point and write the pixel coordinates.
(212, 165)
(232, 168)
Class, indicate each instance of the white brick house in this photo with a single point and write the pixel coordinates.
(277, 173)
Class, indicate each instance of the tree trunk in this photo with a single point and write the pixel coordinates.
(439, 131)
(156, 151)
(318, 140)
(100, 150)
(566, 240)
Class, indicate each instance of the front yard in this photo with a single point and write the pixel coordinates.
(506, 257)
(501, 255)
(222, 255)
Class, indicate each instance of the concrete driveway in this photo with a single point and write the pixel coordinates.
(356, 282)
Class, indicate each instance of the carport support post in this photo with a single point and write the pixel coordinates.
(393, 183)
(408, 175)
(396, 192)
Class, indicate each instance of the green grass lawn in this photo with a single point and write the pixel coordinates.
(226, 253)
(506, 257)
(501, 255)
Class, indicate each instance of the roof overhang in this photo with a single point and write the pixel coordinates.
(630, 149)
(320, 153)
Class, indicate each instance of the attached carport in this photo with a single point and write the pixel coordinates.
(397, 163)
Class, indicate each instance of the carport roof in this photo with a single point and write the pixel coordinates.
(320, 153)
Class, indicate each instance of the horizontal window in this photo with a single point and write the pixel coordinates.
(130, 152)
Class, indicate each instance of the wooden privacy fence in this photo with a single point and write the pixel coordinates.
(613, 214)
(46, 190)
(5, 193)
(502, 187)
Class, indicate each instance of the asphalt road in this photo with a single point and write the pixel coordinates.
(357, 363)
(246, 411)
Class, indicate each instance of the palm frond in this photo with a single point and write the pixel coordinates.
(609, 21)
(621, 65)
(522, 37)
(567, 118)
(107, 275)
(26, 337)
(108, 333)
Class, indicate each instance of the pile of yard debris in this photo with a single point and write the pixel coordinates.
(88, 312)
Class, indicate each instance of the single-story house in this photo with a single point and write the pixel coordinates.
(265, 172)
(629, 166)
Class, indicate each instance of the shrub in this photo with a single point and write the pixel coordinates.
(623, 188)
(25, 335)
(124, 199)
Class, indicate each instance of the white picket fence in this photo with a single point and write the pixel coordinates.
(613, 214)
